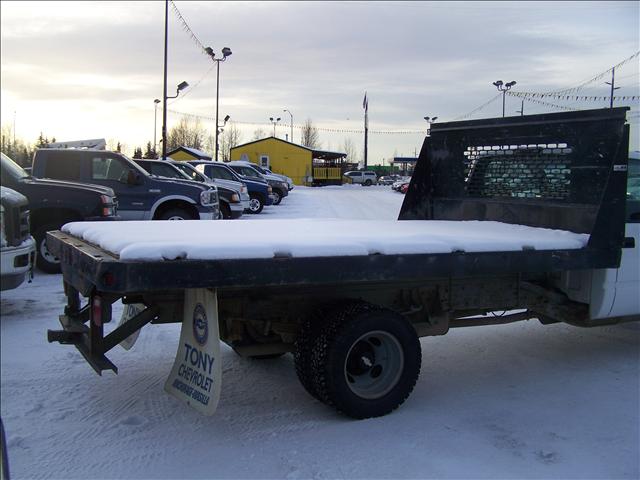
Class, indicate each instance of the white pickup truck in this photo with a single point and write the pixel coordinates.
(524, 216)
(17, 246)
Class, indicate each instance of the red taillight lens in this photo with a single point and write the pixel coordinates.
(96, 310)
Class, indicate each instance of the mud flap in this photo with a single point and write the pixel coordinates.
(130, 311)
(196, 374)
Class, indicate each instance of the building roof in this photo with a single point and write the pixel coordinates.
(191, 151)
(272, 138)
(326, 155)
(405, 159)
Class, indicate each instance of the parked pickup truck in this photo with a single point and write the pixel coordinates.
(522, 215)
(17, 246)
(234, 196)
(140, 195)
(260, 192)
(279, 186)
(53, 203)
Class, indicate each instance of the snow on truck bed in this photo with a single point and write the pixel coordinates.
(231, 239)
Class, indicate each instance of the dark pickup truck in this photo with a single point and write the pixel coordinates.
(525, 216)
(53, 203)
(140, 195)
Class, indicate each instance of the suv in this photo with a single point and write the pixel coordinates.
(54, 203)
(278, 185)
(140, 195)
(17, 246)
(365, 178)
(260, 192)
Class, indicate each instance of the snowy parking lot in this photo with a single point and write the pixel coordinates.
(514, 401)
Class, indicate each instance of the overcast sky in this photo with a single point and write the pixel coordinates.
(78, 70)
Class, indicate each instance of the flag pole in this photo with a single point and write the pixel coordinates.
(365, 105)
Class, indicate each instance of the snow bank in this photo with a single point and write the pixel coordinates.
(227, 239)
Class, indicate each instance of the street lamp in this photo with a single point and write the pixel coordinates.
(179, 88)
(155, 123)
(275, 122)
(503, 87)
(220, 129)
(285, 110)
(430, 121)
(226, 51)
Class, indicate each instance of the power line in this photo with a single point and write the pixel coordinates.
(477, 109)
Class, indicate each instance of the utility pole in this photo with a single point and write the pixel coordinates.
(612, 83)
(164, 94)
(521, 111)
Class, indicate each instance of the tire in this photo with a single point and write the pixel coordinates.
(256, 204)
(176, 214)
(367, 183)
(278, 197)
(225, 211)
(365, 360)
(45, 260)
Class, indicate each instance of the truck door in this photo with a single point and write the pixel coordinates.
(112, 171)
(616, 292)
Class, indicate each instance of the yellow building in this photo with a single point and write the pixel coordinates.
(304, 165)
(186, 153)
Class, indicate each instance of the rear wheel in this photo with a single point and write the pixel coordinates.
(255, 204)
(45, 260)
(176, 214)
(367, 183)
(365, 360)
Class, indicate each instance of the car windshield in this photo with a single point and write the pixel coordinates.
(247, 171)
(190, 172)
(12, 168)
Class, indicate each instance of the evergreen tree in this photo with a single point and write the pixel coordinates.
(137, 153)
(150, 152)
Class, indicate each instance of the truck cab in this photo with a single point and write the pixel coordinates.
(140, 195)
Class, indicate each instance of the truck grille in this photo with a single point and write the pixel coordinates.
(16, 224)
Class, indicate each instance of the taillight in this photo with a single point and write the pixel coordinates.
(96, 310)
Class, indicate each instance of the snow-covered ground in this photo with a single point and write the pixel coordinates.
(513, 401)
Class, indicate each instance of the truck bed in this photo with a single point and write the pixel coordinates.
(147, 256)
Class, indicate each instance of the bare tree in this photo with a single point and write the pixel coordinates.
(350, 149)
(259, 134)
(15, 148)
(310, 135)
(230, 138)
(187, 133)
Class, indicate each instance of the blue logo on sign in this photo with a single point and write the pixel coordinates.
(200, 324)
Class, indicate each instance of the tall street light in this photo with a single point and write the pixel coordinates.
(155, 123)
(275, 122)
(226, 51)
(430, 121)
(181, 86)
(285, 110)
(503, 87)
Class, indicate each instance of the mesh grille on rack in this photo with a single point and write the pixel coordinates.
(522, 171)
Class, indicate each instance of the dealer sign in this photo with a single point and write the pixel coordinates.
(196, 374)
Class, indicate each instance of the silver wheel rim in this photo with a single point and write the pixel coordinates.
(46, 254)
(374, 364)
(277, 198)
(254, 205)
(175, 217)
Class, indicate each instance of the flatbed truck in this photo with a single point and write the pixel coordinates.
(353, 322)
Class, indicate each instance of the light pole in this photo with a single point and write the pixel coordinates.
(503, 87)
(221, 129)
(285, 110)
(226, 51)
(275, 122)
(181, 86)
(430, 121)
(155, 123)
